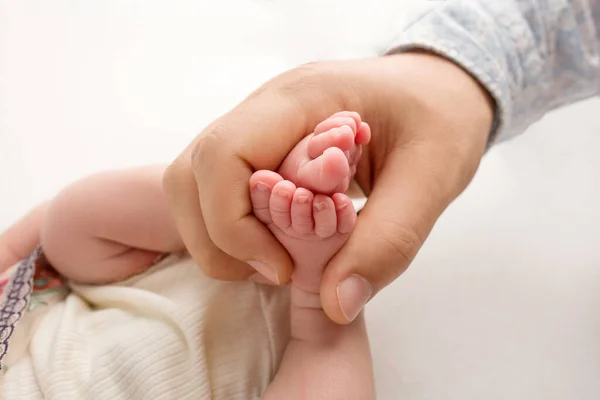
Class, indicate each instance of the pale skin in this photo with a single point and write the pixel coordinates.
(430, 123)
(113, 225)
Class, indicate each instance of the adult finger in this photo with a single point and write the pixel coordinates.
(181, 190)
(208, 184)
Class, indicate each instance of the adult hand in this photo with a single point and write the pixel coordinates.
(430, 122)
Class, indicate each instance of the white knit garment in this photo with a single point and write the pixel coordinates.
(170, 333)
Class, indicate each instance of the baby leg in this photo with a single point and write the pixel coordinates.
(323, 360)
(109, 226)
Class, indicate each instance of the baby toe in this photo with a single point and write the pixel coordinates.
(325, 216)
(261, 185)
(349, 114)
(345, 213)
(363, 134)
(335, 167)
(326, 172)
(302, 215)
(341, 137)
(280, 203)
(336, 121)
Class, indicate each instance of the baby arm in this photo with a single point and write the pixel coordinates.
(109, 226)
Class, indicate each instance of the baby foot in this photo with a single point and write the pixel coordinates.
(312, 226)
(325, 161)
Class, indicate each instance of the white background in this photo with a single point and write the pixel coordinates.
(504, 300)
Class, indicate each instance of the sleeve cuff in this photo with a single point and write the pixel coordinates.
(448, 33)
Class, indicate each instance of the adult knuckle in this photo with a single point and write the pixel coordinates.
(172, 176)
(302, 76)
(203, 147)
(210, 261)
(403, 243)
(305, 80)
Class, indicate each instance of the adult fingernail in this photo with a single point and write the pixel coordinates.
(268, 272)
(353, 293)
(257, 277)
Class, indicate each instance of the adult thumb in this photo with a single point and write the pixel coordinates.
(415, 185)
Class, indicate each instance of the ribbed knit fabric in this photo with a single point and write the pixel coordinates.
(170, 333)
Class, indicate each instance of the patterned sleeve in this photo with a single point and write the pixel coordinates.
(531, 55)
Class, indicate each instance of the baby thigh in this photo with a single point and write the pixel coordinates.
(83, 258)
(109, 226)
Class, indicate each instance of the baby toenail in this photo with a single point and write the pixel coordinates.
(261, 186)
(283, 193)
(341, 206)
(320, 206)
(302, 199)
